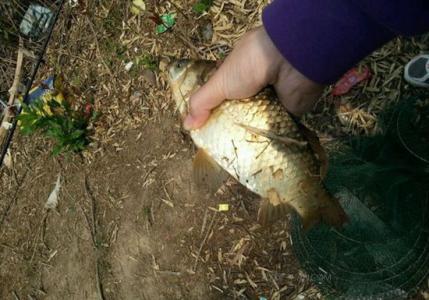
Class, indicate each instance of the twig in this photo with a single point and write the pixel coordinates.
(189, 44)
(270, 135)
(152, 214)
(8, 247)
(98, 281)
(15, 295)
(167, 194)
(217, 288)
(45, 218)
(203, 242)
(73, 56)
(148, 173)
(7, 60)
(203, 227)
(98, 46)
(180, 10)
(13, 90)
(169, 273)
(93, 223)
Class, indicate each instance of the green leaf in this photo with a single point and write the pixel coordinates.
(168, 22)
(54, 103)
(67, 127)
(95, 116)
(147, 61)
(202, 5)
(57, 150)
(76, 134)
(27, 130)
(26, 118)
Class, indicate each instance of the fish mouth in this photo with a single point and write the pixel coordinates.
(185, 76)
(179, 67)
(166, 63)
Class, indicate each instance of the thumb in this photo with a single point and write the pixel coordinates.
(209, 96)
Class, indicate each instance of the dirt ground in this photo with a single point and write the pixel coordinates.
(151, 225)
(130, 223)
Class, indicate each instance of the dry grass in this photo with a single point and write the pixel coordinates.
(357, 111)
(112, 37)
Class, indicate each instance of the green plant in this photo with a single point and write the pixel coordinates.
(113, 51)
(202, 5)
(147, 61)
(58, 120)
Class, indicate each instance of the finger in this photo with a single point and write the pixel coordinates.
(193, 122)
(219, 63)
(296, 103)
(297, 93)
(204, 100)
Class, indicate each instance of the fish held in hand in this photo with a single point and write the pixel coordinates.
(257, 142)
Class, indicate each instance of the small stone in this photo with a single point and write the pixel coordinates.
(149, 76)
(135, 98)
(207, 32)
(128, 66)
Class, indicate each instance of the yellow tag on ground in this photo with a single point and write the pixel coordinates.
(138, 6)
(223, 207)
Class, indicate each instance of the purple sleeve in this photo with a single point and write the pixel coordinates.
(323, 39)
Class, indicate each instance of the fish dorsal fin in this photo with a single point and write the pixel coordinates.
(272, 208)
(207, 172)
(271, 135)
(314, 142)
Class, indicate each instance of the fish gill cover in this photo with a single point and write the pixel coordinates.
(382, 183)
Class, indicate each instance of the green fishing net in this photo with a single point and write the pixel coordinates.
(382, 183)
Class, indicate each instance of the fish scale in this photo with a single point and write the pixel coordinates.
(261, 155)
(257, 142)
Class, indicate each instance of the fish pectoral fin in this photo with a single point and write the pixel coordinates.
(271, 135)
(314, 142)
(207, 172)
(272, 208)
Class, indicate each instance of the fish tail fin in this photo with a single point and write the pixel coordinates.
(313, 208)
(331, 211)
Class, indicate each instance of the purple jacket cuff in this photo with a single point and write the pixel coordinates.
(405, 17)
(323, 39)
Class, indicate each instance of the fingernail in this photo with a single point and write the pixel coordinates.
(187, 124)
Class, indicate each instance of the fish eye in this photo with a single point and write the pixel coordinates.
(181, 64)
(178, 67)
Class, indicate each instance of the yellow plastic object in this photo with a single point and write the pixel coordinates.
(138, 6)
(223, 207)
(45, 92)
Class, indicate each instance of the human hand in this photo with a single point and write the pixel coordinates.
(253, 64)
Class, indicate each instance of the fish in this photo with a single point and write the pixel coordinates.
(257, 142)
